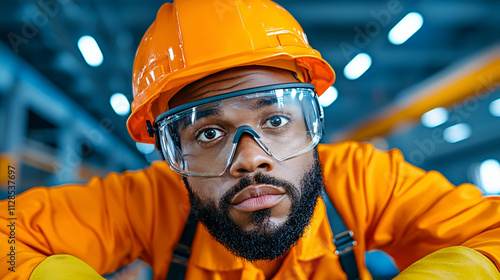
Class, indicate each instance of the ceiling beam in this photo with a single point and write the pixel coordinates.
(471, 78)
(354, 13)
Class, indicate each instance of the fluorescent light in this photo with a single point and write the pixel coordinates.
(357, 66)
(494, 108)
(404, 29)
(120, 104)
(145, 148)
(489, 172)
(90, 50)
(435, 117)
(328, 97)
(457, 133)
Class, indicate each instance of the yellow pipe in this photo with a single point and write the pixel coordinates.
(477, 76)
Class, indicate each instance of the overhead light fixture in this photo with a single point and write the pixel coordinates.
(494, 108)
(90, 51)
(328, 97)
(435, 117)
(145, 148)
(404, 29)
(357, 66)
(457, 133)
(489, 172)
(120, 104)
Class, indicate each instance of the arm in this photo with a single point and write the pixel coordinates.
(405, 211)
(107, 223)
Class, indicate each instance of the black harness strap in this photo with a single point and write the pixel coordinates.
(182, 251)
(342, 238)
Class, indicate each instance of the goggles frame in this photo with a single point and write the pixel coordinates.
(154, 130)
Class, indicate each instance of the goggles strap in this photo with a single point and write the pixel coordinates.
(151, 130)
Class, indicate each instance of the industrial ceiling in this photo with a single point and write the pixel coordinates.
(45, 33)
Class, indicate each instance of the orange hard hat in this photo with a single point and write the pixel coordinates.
(191, 39)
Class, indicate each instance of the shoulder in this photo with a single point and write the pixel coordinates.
(351, 160)
(160, 177)
(158, 173)
(154, 183)
(351, 151)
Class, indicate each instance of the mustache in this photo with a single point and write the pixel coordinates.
(259, 178)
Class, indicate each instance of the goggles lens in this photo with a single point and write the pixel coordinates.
(201, 137)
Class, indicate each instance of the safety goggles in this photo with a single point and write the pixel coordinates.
(200, 138)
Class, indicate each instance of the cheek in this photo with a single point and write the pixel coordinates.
(295, 168)
(207, 189)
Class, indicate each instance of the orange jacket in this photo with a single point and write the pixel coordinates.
(389, 204)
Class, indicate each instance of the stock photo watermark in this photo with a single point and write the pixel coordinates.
(48, 9)
(461, 112)
(11, 217)
(73, 157)
(372, 29)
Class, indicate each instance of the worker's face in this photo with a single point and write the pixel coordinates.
(260, 206)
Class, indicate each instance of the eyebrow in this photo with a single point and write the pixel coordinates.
(199, 115)
(264, 102)
(206, 113)
(259, 104)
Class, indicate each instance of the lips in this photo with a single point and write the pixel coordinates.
(254, 198)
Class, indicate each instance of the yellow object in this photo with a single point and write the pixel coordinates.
(6, 163)
(389, 204)
(193, 39)
(476, 79)
(64, 267)
(451, 263)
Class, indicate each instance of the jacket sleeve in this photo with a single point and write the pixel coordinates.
(106, 223)
(405, 211)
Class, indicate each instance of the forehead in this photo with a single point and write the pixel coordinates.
(231, 80)
(271, 97)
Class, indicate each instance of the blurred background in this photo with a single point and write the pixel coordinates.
(419, 76)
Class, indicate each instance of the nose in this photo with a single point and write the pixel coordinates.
(250, 157)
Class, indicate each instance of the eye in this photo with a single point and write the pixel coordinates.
(276, 121)
(209, 134)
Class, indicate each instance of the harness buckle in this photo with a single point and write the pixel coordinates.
(181, 254)
(344, 242)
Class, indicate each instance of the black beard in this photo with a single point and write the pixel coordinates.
(266, 242)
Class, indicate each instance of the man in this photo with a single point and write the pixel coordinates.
(227, 92)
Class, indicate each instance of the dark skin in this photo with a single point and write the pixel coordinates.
(249, 158)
